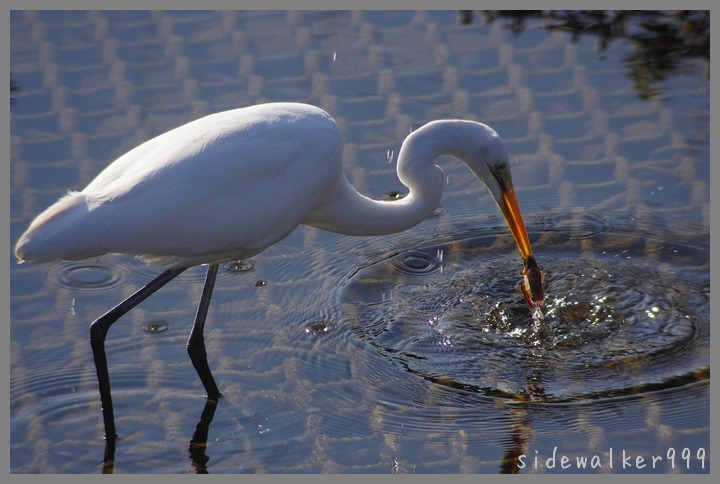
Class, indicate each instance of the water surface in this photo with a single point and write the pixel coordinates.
(412, 353)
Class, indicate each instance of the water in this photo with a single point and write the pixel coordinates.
(412, 353)
(459, 321)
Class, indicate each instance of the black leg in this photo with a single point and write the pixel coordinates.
(196, 343)
(98, 332)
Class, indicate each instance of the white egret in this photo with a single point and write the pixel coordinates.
(229, 185)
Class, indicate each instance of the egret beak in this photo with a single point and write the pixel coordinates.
(533, 277)
(511, 211)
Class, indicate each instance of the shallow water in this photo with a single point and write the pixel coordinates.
(450, 313)
(412, 353)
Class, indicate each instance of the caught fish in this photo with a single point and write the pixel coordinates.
(532, 283)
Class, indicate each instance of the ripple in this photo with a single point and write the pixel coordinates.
(228, 273)
(418, 262)
(156, 327)
(238, 266)
(624, 314)
(90, 275)
(320, 328)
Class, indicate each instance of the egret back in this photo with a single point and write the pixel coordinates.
(223, 187)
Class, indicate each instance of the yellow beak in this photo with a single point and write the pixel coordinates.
(511, 210)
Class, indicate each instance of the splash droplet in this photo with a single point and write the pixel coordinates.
(156, 327)
(393, 195)
(319, 329)
(238, 266)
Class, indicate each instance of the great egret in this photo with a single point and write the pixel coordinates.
(229, 185)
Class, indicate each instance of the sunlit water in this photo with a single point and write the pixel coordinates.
(422, 342)
(616, 320)
(408, 353)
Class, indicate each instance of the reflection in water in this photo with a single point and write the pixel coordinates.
(626, 316)
(198, 443)
(14, 87)
(196, 449)
(336, 403)
(662, 43)
(520, 434)
(614, 323)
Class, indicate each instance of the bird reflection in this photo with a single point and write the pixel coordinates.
(196, 449)
(198, 443)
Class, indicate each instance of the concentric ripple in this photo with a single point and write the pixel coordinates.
(623, 314)
(89, 275)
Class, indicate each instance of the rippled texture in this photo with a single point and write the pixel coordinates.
(89, 275)
(306, 387)
(615, 323)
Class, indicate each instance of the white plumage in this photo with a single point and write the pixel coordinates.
(226, 186)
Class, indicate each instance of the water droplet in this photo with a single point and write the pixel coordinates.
(319, 329)
(156, 327)
(441, 210)
(238, 266)
(394, 195)
(260, 427)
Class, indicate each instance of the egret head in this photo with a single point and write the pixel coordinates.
(488, 160)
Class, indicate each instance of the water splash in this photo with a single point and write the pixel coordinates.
(238, 266)
(609, 325)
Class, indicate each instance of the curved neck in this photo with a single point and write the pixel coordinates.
(348, 212)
